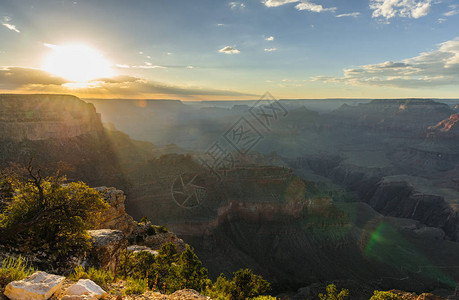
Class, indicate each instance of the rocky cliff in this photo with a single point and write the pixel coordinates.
(51, 129)
(448, 128)
(39, 117)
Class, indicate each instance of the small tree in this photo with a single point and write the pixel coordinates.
(332, 293)
(244, 285)
(50, 210)
(189, 271)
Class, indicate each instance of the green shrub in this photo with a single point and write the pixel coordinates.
(244, 285)
(14, 269)
(135, 286)
(332, 293)
(168, 271)
(50, 210)
(144, 220)
(78, 273)
(380, 295)
(99, 276)
(264, 298)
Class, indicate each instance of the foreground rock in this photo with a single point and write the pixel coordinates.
(107, 247)
(39, 285)
(84, 289)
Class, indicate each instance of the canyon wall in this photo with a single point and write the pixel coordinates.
(40, 117)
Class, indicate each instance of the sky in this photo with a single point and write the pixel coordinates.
(220, 50)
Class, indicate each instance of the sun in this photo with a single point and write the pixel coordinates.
(77, 62)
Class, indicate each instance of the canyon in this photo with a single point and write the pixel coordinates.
(363, 192)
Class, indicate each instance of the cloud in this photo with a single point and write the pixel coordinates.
(121, 66)
(12, 77)
(229, 50)
(309, 6)
(429, 69)
(302, 5)
(11, 27)
(451, 13)
(354, 15)
(149, 66)
(34, 80)
(275, 3)
(270, 49)
(388, 9)
(270, 38)
(236, 5)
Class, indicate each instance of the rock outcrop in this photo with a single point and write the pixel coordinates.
(38, 286)
(84, 289)
(116, 217)
(448, 128)
(107, 247)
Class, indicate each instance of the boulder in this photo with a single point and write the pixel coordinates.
(84, 289)
(39, 285)
(107, 246)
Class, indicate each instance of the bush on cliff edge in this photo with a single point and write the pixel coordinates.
(49, 210)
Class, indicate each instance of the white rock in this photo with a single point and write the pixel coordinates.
(84, 289)
(39, 285)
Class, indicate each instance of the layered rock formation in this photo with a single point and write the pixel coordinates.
(448, 128)
(116, 217)
(393, 115)
(40, 117)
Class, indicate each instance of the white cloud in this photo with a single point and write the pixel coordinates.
(441, 20)
(354, 15)
(451, 13)
(309, 6)
(270, 49)
(302, 5)
(402, 8)
(236, 5)
(275, 3)
(123, 66)
(429, 69)
(229, 50)
(149, 66)
(270, 38)
(11, 27)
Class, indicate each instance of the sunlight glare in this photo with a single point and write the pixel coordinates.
(76, 62)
